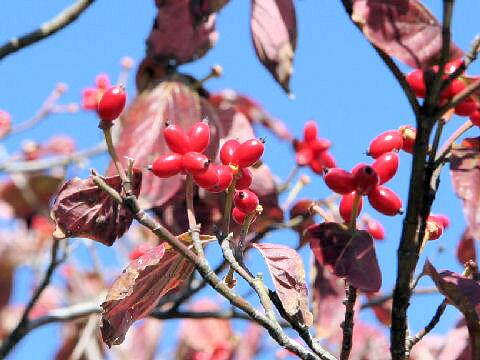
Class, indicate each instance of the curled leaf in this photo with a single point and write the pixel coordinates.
(349, 254)
(82, 209)
(404, 29)
(274, 31)
(466, 248)
(139, 288)
(288, 274)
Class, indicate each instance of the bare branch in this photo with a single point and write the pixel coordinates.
(64, 18)
(347, 325)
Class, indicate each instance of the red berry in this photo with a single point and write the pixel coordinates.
(199, 136)
(227, 150)
(167, 165)
(467, 107)
(139, 250)
(440, 219)
(409, 133)
(316, 166)
(346, 206)
(112, 103)
(417, 82)
(195, 163)
(433, 230)
(387, 141)
(208, 179)
(326, 159)
(475, 118)
(246, 201)
(225, 177)
(385, 201)
(456, 87)
(310, 131)
(365, 179)
(239, 216)
(102, 81)
(386, 166)
(304, 156)
(320, 145)
(339, 180)
(176, 139)
(244, 180)
(375, 228)
(248, 153)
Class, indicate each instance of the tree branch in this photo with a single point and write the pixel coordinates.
(347, 325)
(64, 18)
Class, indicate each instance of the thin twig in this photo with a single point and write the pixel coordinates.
(447, 146)
(347, 325)
(64, 18)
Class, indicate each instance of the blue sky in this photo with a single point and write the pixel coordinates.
(338, 81)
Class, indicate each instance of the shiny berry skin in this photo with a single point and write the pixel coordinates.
(227, 150)
(365, 179)
(385, 201)
(456, 87)
(195, 163)
(199, 136)
(409, 134)
(248, 153)
(467, 107)
(386, 166)
(167, 165)
(440, 219)
(417, 82)
(387, 141)
(475, 117)
(346, 206)
(244, 179)
(246, 201)
(225, 177)
(339, 180)
(375, 228)
(326, 159)
(139, 250)
(208, 179)
(238, 216)
(310, 131)
(317, 167)
(112, 103)
(319, 145)
(433, 230)
(176, 139)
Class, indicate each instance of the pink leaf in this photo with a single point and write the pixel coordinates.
(382, 311)
(180, 35)
(288, 274)
(465, 171)
(139, 288)
(350, 255)
(404, 29)
(274, 31)
(82, 209)
(250, 343)
(466, 248)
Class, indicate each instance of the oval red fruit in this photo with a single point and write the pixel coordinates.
(195, 163)
(199, 136)
(387, 141)
(375, 228)
(248, 153)
(167, 165)
(176, 139)
(346, 206)
(386, 166)
(385, 201)
(310, 131)
(433, 230)
(112, 103)
(244, 179)
(320, 145)
(417, 82)
(239, 216)
(440, 219)
(409, 133)
(475, 118)
(225, 178)
(208, 179)
(246, 201)
(227, 150)
(339, 180)
(467, 107)
(365, 179)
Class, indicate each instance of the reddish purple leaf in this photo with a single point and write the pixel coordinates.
(274, 32)
(465, 171)
(142, 134)
(82, 209)
(250, 343)
(404, 29)
(466, 248)
(179, 34)
(139, 288)
(382, 311)
(288, 274)
(202, 8)
(349, 255)
(301, 210)
(28, 195)
(328, 309)
(370, 343)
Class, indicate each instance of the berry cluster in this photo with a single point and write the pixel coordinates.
(366, 180)
(313, 151)
(246, 202)
(469, 107)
